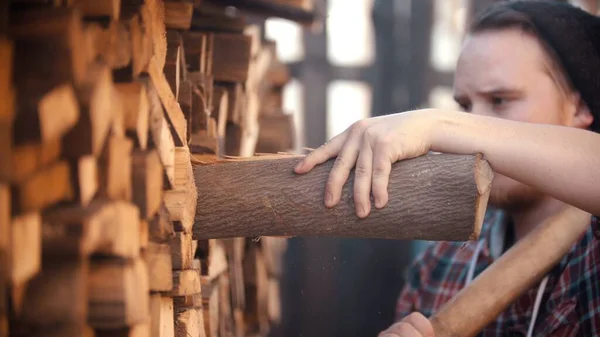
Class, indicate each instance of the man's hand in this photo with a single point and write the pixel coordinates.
(372, 145)
(413, 325)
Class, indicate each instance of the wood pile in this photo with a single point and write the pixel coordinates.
(105, 105)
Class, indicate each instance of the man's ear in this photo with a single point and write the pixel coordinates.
(582, 118)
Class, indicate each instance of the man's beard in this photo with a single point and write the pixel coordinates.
(512, 196)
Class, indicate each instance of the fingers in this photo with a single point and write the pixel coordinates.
(340, 171)
(413, 325)
(401, 329)
(382, 167)
(322, 154)
(362, 180)
(421, 323)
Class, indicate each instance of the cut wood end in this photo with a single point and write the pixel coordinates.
(484, 175)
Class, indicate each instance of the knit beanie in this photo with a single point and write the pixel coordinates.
(574, 35)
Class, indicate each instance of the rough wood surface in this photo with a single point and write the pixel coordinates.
(158, 257)
(433, 197)
(186, 282)
(147, 182)
(178, 14)
(161, 313)
(118, 293)
(182, 254)
(26, 244)
(44, 188)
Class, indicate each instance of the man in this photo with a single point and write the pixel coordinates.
(529, 76)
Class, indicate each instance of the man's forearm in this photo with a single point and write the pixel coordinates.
(560, 161)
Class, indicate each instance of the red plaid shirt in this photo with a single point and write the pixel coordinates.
(571, 299)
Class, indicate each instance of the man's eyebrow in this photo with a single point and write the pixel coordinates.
(496, 91)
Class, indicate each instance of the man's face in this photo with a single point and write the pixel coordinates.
(506, 74)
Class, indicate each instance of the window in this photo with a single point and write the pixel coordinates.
(350, 33)
(347, 102)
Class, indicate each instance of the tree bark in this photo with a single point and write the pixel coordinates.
(432, 197)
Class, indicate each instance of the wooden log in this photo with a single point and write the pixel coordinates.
(174, 114)
(26, 247)
(186, 282)
(188, 301)
(160, 226)
(111, 45)
(183, 167)
(174, 66)
(182, 255)
(226, 324)
(235, 255)
(210, 304)
(186, 101)
(189, 322)
(136, 112)
(178, 14)
(5, 234)
(115, 169)
(182, 205)
(118, 293)
(96, 98)
(85, 179)
(147, 182)
(51, 46)
(44, 115)
(213, 257)
(161, 312)
(141, 48)
(99, 9)
(29, 158)
(158, 257)
(153, 14)
(161, 137)
(136, 330)
(256, 290)
(230, 57)
(57, 295)
(46, 187)
(422, 190)
(273, 250)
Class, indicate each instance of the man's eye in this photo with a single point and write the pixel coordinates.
(498, 100)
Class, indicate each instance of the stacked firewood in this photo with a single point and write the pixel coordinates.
(104, 107)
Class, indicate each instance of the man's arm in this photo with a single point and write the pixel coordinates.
(560, 161)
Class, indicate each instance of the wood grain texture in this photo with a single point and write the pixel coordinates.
(432, 197)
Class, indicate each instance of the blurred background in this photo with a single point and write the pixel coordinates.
(371, 58)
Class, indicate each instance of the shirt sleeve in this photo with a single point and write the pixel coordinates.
(410, 296)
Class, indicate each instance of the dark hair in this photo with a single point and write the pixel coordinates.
(501, 16)
(569, 35)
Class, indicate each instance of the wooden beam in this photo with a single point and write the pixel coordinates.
(161, 313)
(147, 182)
(270, 200)
(182, 254)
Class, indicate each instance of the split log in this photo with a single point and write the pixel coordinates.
(85, 178)
(5, 233)
(432, 197)
(230, 57)
(57, 295)
(112, 45)
(158, 257)
(109, 228)
(256, 289)
(26, 247)
(188, 301)
(277, 134)
(96, 98)
(115, 166)
(213, 256)
(210, 304)
(178, 14)
(31, 157)
(46, 187)
(136, 330)
(136, 111)
(182, 205)
(161, 137)
(182, 255)
(183, 168)
(160, 227)
(147, 182)
(186, 282)
(44, 115)
(161, 313)
(99, 9)
(118, 293)
(51, 46)
(174, 64)
(226, 324)
(189, 322)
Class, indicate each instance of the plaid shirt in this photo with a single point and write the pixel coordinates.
(570, 305)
